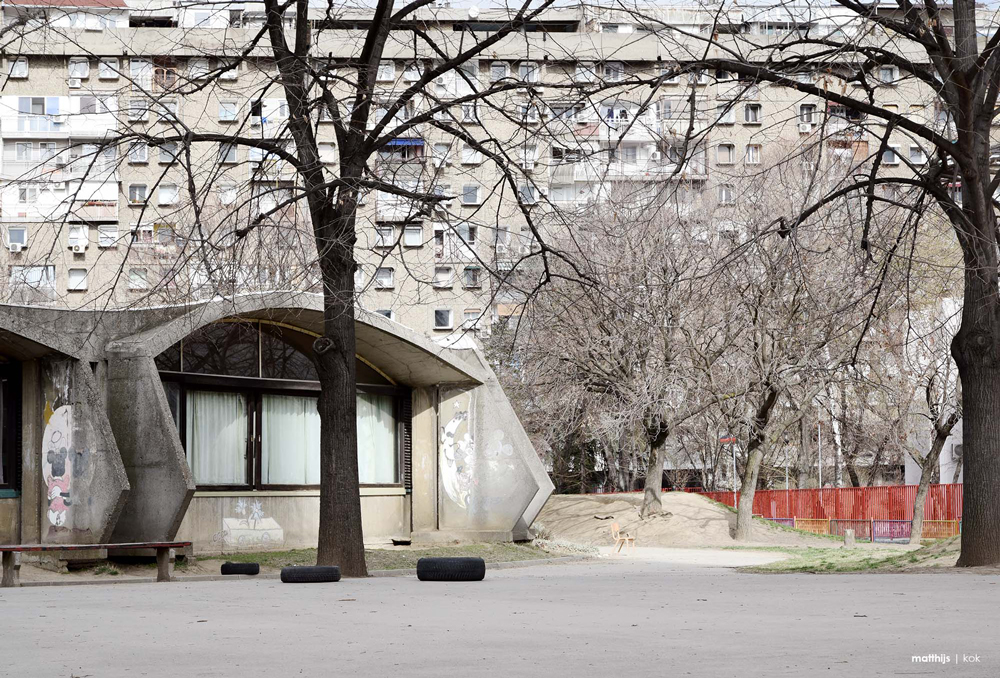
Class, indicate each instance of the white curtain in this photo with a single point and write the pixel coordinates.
(217, 437)
(289, 441)
(377, 458)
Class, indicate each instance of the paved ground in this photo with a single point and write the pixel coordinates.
(650, 615)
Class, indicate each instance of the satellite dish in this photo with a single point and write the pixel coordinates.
(473, 12)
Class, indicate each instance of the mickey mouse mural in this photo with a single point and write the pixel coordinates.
(56, 464)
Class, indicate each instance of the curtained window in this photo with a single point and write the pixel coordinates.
(217, 437)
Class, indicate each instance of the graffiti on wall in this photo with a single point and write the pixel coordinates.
(251, 529)
(458, 451)
(57, 463)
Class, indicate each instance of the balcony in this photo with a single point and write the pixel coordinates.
(58, 170)
(640, 129)
(596, 170)
(91, 211)
(57, 126)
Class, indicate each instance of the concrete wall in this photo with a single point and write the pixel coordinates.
(74, 464)
(224, 522)
(150, 446)
(10, 514)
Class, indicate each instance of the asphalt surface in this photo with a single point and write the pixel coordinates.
(636, 616)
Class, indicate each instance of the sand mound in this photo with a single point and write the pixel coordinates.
(687, 520)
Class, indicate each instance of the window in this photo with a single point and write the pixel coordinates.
(141, 72)
(442, 318)
(470, 317)
(385, 236)
(386, 71)
(77, 280)
(470, 194)
(726, 195)
(442, 277)
(472, 276)
(359, 276)
(18, 68)
(47, 150)
(526, 193)
(470, 112)
(528, 112)
(413, 236)
(385, 313)
(227, 194)
(227, 111)
(384, 278)
(917, 155)
(528, 71)
(164, 78)
(198, 68)
(807, 114)
(168, 194)
(37, 277)
(168, 152)
(78, 235)
(584, 72)
(498, 71)
(888, 75)
(327, 152)
(412, 72)
(753, 154)
(138, 152)
(137, 194)
(224, 450)
(726, 114)
(227, 153)
(27, 195)
(79, 67)
(752, 114)
(167, 112)
(137, 279)
(230, 69)
(22, 151)
(138, 109)
(107, 236)
(142, 234)
(890, 156)
(17, 235)
(726, 154)
(471, 155)
(90, 104)
(614, 71)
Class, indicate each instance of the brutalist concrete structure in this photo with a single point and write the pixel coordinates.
(194, 422)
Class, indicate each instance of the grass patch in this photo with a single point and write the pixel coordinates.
(108, 569)
(397, 558)
(814, 559)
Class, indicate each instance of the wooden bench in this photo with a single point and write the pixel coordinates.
(165, 555)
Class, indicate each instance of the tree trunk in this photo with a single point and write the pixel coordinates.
(805, 458)
(341, 541)
(653, 487)
(748, 487)
(977, 354)
(852, 472)
(926, 471)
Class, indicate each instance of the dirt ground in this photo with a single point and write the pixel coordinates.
(687, 520)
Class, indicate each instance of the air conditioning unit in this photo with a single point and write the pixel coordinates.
(59, 119)
(805, 127)
(528, 165)
(15, 247)
(75, 83)
(79, 249)
(59, 160)
(655, 155)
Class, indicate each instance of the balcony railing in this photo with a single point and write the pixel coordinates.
(93, 210)
(57, 170)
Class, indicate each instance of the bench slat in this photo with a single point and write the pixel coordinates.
(91, 547)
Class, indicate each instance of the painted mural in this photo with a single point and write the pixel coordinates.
(57, 463)
(250, 529)
(458, 453)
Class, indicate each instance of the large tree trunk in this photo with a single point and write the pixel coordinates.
(653, 487)
(976, 349)
(341, 541)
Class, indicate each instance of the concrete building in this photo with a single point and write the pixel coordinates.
(200, 423)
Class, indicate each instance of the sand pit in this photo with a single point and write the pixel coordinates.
(687, 520)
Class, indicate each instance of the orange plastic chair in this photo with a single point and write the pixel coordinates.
(622, 539)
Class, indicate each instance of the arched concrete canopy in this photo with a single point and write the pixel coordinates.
(402, 354)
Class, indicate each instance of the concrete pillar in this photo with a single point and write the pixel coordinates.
(424, 459)
(31, 450)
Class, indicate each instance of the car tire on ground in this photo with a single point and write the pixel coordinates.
(451, 569)
(241, 568)
(308, 574)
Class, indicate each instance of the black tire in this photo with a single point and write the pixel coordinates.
(451, 569)
(308, 574)
(240, 568)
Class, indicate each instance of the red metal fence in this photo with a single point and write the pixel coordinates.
(881, 502)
